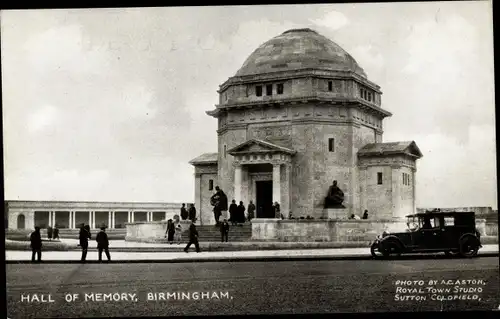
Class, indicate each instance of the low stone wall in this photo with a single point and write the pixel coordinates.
(141, 231)
(332, 230)
(491, 228)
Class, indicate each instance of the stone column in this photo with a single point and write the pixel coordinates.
(237, 183)
(72, 219)
(90, 219)
(53, 218)
(132, 216)
(129, 217)
(277, 183)
(113, 221)
(286, 196)
(93, 220)
(414, 189)
(109, 219)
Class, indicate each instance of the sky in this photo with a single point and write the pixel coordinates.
(109, 104)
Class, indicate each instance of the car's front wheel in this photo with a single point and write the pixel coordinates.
(391, 248)
(375, 250)
(469, 247)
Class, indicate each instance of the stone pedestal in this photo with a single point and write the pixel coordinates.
(336, 213)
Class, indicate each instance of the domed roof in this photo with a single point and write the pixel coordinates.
(299, 49)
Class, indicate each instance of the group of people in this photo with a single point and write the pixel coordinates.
(174, 232)
(365, 215)
(52, 233)
(236, 212)
(188, 213)
(84, 236)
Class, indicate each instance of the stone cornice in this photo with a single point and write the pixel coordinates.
(348, 102)
(63, 205)
(291, 74)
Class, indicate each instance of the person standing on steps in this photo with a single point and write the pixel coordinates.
(233, 212)
(219, 201)
(224, 231)
(103, 243)
(170, 231)
(241, 214)
(193, 238)
(84, 240)
(184, 212)
(36, 244)
(192, 212)
(251, 211)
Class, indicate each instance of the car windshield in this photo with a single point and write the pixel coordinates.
(413, 223)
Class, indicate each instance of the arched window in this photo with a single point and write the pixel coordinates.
(20, 221)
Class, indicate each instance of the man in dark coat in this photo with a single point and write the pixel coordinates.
(240, 216)
(233, 212)
(103, 243)
(184, 212)
(49, 233)
(55, 234)
(193, 238)
(219, 201)
(224, 230)
(251, 211)
(192, 213)
(365, 214)
(36, 244)
(84, 240)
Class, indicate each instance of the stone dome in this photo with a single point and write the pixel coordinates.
(299, 49)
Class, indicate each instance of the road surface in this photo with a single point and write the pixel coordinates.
(223, 288)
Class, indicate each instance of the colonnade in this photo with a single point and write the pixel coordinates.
(111, 223)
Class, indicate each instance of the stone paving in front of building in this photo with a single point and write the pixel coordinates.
(211, 255)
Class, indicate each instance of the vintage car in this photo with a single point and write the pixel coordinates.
(431, 232)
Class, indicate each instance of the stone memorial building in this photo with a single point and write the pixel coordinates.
(299, 114)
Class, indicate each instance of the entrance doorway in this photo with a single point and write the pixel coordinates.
(264, 199)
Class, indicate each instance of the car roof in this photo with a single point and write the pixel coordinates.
(445, 214)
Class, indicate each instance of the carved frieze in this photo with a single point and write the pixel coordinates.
(270, 132)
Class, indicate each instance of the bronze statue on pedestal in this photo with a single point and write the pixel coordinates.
(335, 197)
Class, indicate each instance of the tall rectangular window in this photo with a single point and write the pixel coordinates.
(330, 86)
(361, 92)
(269, 89)
(369, 96)
(379, 178)
(258, 90)
(225, 151)
(210, 184)
(331, 145)
(279, 88)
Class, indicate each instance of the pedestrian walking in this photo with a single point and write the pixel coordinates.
(224, 231)
(193, 238)
(178, 233)
(36, 244)
(49, 233)
(170, 231)
(251, 211)
(84, 237)
(192, 213)
(233, 212)
(184, 212)
(103, 243)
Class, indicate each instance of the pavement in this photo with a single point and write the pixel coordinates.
(192, 256)
(255, 287)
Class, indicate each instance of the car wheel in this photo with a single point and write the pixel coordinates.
(469, 247)
(375, 250)
(391, 248)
